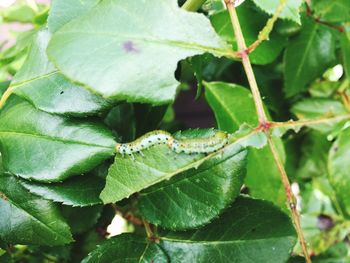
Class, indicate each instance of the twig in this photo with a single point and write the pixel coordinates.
(264, 124)
(301, 123)
(290, 197)
(265, 32)
(246, 62)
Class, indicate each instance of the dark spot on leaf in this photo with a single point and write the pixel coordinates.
(130, 47)
(324, 222)
(61, 92)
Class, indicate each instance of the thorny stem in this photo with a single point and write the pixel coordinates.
(265, 32)
(264, 124)
(290, 197)
(193, 5)
(246, 62)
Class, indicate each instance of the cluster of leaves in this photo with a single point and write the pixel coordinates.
(95, 72)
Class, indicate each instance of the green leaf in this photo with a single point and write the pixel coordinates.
(150, 37)
(266, 52)
(307, 56)
(18, 13)
(233, 105)
(323, 89)
(28, 219)
(81, 219)
(332, 11)
(321, 108)
(77, 191)
(37, 145)
(290, 11)
(250, 231)
(339, 165)
(63, 11)
(196, 196)
(127, 176)
(314, 156)
(127, 247)
(41, 84)
(345, 47)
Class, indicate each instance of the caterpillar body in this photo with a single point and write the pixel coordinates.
(201, 145)
(188, 146)
(144, 142)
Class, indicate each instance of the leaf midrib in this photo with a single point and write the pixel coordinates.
(208, 242)
(306, 51)
(55, 138)
(188, 45)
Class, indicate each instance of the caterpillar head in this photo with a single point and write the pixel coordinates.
(221, 135)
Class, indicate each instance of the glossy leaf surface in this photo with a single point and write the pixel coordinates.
(307, 56)
(150, 37)
(66, 192)
(47, 89)
(127, 246)
(28, 219)
(242, 234)
(196, 196)
(37, 145)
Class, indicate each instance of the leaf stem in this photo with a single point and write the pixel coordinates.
(5, 96)
(246, 62)
(301, 123)
(193, 5)
(264, 124)
(265, 32)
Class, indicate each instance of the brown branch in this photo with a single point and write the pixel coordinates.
(264, 124)
(246, 62)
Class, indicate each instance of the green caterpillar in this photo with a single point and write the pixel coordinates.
(202, 145)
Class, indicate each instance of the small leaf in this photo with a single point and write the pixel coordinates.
(320, 108)
(18, 13)
(37, 145)
(307, 56)
(334, 11)
(233, 105)
(41, 84)
(314, 156)
(266, 52)
(63, 11)
(150, 37)
(250, 231)
(339, 165)
(77, 191)
(196, 196)
(290, 11)
(28, 219)
(127, 246)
